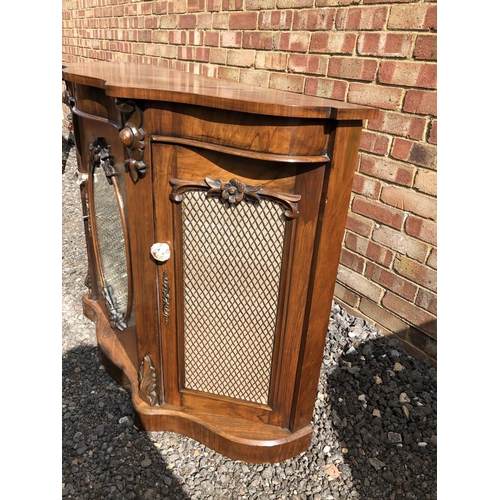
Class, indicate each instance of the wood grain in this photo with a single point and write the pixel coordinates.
(237, 143)
(136, 81)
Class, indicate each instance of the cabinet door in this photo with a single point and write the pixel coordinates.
(233, 294)
(104, 206)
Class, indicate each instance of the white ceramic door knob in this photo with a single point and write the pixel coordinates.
(160, 252)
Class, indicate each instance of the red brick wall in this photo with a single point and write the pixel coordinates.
(380, 53)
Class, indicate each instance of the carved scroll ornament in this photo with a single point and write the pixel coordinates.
(132, 136)
(147, 382)
(234, 191)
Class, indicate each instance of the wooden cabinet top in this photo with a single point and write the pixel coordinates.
(140, 81)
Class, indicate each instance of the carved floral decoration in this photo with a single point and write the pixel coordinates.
(234, 191)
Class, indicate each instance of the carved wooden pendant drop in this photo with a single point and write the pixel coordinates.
(166, 297)
(132, 136)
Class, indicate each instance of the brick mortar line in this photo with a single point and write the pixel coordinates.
(404, 233)
(379, 303)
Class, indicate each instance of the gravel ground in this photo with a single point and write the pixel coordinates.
(374, 419)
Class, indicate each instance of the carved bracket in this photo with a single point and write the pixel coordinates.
(67, 99)
(132, 136)
(234, 191)
(147, 382)
(101, 157)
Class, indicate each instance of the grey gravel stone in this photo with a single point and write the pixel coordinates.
(376, 463)
(394, 437)
(106, 458)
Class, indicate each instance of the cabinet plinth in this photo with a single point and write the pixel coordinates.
(214, 214)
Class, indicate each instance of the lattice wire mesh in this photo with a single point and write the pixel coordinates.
(232, 266)
(111, 241)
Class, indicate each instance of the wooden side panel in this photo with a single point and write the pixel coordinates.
(330, 232)
(308, 184)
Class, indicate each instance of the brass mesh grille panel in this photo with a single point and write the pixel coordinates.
(232, 266)
(111, 242)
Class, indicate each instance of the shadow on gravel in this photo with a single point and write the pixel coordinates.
(104, 455)
(383, 413)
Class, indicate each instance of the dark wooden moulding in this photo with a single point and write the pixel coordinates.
(159, 133)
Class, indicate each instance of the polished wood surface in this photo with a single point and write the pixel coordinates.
(169, 133)
(135, 81)
(228, 433)
(335, 204)
(284, 138)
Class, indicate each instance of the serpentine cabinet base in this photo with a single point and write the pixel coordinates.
(214, 214)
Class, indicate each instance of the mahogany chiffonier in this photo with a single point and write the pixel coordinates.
(214, 214)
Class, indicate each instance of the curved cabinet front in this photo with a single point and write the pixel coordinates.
(214, 228)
